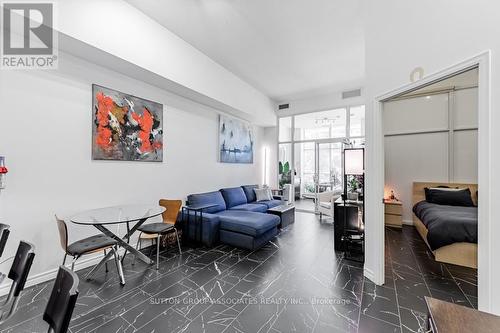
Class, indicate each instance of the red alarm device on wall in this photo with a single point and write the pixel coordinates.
(3, 172)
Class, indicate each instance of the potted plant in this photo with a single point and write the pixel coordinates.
(355, 187)
(285, 174)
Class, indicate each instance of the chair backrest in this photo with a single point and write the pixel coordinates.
(21, 266)
(172, 210)
(4, 230)
(63, 233)
(62, 301)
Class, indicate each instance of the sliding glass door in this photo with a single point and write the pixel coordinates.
(329, 166)
(318, 168)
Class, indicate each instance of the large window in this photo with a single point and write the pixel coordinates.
(310, 150)
(323, 125)
(357, 121)
(320, 125)
(305, 157)
(285, 164)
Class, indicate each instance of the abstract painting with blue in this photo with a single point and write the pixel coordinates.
(235, 140)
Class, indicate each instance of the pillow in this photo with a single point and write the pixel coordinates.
(270, 193)
(263, 194)
(449, 196)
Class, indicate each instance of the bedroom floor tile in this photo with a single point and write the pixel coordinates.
(221, 289)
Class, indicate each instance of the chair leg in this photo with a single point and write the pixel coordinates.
(64, 260)
(151, 247)
(320, 216)
(158, 252)
(75, 258)
(178, 242)
(106, 264)
(118, 266)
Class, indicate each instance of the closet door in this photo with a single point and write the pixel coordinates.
(426, 113)
(416, 144)
(465, 123)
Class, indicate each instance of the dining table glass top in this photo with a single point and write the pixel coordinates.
(117, 214)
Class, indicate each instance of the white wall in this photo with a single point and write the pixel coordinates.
(449, 156)
(118, 28)
(45, 134)
(402, 35)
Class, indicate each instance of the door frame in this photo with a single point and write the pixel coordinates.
(374, 229)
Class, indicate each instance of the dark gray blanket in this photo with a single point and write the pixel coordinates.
(447, 224)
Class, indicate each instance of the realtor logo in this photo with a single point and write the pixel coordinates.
(28, 37)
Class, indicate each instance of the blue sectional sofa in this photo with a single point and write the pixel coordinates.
(237, 218)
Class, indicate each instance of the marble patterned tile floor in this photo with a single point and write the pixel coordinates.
(296, 283)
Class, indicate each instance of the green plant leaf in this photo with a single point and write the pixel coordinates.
(280, 168)
(286, 168)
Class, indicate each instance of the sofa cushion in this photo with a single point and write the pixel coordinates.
(271, 203)
(249, 192)
(249, 223)
(206, 199)
(234, 196)
(251, 207)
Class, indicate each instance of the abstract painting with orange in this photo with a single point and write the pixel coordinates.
(125, 127)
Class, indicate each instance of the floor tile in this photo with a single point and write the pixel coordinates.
(295, 283)
(381, 304)
(413, 321)
(371, 325)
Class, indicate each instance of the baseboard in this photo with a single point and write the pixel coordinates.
(82, 263)
(368, 273)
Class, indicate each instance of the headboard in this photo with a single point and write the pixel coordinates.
(419, 192)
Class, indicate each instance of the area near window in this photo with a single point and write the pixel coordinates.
(310, 151)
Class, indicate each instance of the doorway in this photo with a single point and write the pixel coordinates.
(374, 265)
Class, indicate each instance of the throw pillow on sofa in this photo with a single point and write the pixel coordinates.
(263, 194)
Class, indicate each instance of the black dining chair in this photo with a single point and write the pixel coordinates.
(88, 245)
(62, 301)
(18, 274)
(4, 235)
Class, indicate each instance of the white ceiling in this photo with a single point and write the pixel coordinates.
(286, 49)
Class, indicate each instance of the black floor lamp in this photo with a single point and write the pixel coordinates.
(354, 165)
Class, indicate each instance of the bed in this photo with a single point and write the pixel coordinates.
(463, 253)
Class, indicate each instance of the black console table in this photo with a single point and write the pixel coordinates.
(195, 211)
(351, 210)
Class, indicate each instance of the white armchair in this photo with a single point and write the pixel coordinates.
(325, 203)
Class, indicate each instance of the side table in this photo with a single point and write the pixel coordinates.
(196, 212)
(286, 214)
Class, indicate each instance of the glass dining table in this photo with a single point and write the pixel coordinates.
(127, 215)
